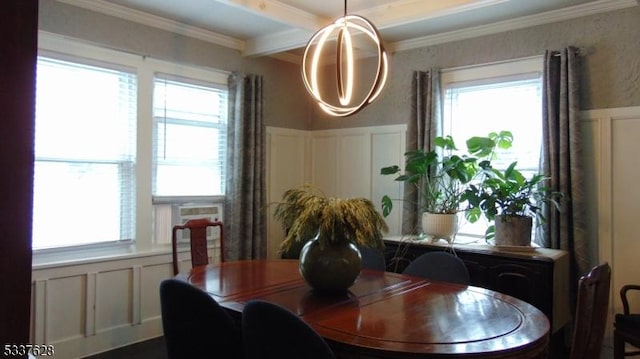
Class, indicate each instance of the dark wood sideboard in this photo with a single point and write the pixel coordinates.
(538, 277)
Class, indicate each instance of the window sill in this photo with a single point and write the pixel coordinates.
(98, 253)
(94, 253)
(459, 239)
(466, 241)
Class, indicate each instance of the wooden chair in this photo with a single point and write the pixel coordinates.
(591, 313)
(439, 266)
(271, 331)
(626, 326)
(197, 240)
(195, 325)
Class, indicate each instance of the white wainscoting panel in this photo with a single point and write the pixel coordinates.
(94, 306)
(150, 279)
(325, 162)
(114, 299)
(360, 153)
(614, 137)
(354, 165)
(65, 313)
(387, 150)
(343, 163)
(288, 166)
(625, 168)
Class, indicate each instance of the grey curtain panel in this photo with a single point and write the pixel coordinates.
(562, 158)
(424, 126)
(245, 197)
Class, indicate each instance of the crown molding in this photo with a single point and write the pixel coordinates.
(548, 17)
(272, 45)
(158, 22)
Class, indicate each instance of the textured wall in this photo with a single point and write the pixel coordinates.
(611, 65)
(281, 78)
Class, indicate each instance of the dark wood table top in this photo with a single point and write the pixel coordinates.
(387, 315)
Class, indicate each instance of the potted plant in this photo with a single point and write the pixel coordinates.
(511, 201)
(441, 178)
(331, 230)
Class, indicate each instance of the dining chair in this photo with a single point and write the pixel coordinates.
(271, 331)
(591, 313)
(626, 326)
(372, 258)
(439, 266)
(197, 241)
(195, 325)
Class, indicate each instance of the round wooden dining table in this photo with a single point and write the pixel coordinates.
(384, 314)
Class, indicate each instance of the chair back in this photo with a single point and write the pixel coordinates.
(626, 326)
(271, 331)
(195, 325)
(372, 258)
(439, 266)
(197, 241)
(591, 313)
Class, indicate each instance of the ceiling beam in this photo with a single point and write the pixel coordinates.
(393, 14)
(280, 12)
(410, 11)
(274, 43)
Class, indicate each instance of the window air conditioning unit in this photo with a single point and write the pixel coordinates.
(211, 212)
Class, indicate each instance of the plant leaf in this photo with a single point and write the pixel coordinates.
(391, 170)
(387, 205)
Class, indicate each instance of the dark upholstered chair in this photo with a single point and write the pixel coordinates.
(626, 326)
(198, 241)
(372, 258)
(439, 266)
(195, 325)
(271, 331)
(591, 313)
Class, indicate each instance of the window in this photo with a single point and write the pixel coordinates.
(190, 130)
(115, 132)
(85, 154)
(494, 98)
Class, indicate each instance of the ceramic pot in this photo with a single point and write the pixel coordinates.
(513, 230)
(439, 226)
(330, 266)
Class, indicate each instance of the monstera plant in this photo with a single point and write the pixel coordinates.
(511, 201)
(442, 177)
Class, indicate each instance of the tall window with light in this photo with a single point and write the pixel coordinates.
(190, 131)
(478, 106)
(85, 153)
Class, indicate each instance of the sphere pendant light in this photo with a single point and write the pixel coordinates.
(343, 30)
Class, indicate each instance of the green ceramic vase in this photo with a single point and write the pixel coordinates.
(331, 266)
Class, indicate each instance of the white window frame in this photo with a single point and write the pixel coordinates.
(221, 126)
(145, 69)
(166, 209)
(507, 70)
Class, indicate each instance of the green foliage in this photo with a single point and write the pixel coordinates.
(446, 181)
(440, 176)
(303, 213)
(508, 193)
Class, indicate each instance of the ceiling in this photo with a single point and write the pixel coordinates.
(282, 27)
